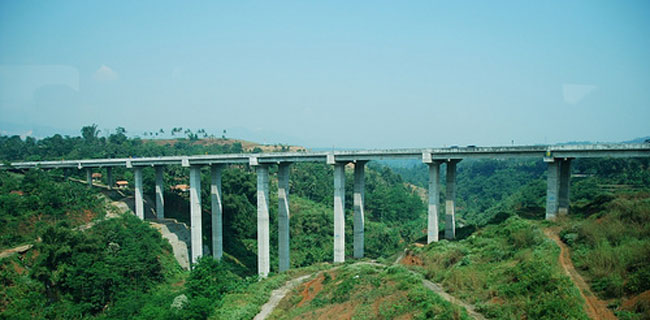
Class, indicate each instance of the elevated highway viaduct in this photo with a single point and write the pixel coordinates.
(558, 159)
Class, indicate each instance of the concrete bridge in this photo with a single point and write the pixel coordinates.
(558, 159)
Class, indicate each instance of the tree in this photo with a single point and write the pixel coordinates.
(90, 133)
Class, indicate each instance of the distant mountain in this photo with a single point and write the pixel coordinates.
(639, 140)
(23, 130)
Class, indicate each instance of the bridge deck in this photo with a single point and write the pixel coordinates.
(427, 154)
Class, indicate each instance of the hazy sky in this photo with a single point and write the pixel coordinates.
(324, 73)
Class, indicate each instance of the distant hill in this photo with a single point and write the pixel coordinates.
(247, 146)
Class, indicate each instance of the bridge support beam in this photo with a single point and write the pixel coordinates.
(109, 177)
(195, 213)
(217, 212)
(263, 255)
(359, 197)
(160, 199)
(450, 202)
(552, 188)
(139, 204)
(89, 177)
(564, 190)
(434, 201)
(558, 179)
(283, 216)
(339, 214)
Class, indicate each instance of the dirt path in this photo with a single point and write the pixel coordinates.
(596, 309)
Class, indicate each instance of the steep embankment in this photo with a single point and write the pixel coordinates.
(365, 291)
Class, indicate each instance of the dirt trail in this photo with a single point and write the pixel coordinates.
(596, 309)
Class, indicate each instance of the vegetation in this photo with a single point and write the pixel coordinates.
(71, 274)
(612, 249)
(31, 203)
(122, 269)
(508, 270)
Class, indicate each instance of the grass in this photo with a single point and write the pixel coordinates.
(508, 270)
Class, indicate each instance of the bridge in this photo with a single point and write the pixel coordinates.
(558, 159)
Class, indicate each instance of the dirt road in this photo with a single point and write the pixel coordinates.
(596, 309)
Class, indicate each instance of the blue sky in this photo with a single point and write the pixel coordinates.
(344, 74)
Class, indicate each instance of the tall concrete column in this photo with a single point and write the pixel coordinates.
(217, 212)
(89, 177)
(434, 201)
(564, 190)
(339, 216)
(263, 256)
(139, 204)
(195, 213)
(552, 188)
(450, 202)
(359, 197)
(109, 178)
(283, 216)
(160, 199)
(66, 174)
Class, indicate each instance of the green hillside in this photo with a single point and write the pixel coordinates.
(503, 266)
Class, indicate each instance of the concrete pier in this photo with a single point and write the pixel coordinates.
(283, 216)
(160, 199)
(217, 212)
(339, 215)
(109, 178)
(564, 189)
(359, 197)
(195, 213)
(552, 188)
(450, 202)
(89, 177)
(139, 204)
(263, 255)
(434, 201)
